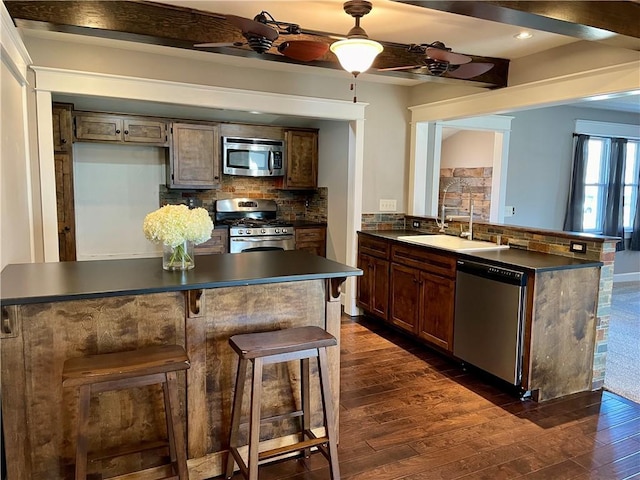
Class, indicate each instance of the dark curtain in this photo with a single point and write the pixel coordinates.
(635, 234)
(613, 224)
(575, 203)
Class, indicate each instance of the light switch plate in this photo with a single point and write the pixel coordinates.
(509, 211)
(388, 205)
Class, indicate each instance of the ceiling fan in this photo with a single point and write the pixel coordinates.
(439, 59)
(263, 30)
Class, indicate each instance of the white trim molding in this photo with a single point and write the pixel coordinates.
(606, 129)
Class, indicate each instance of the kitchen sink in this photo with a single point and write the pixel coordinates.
(449, 242)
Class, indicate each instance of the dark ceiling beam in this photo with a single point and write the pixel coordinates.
(172, 26)
(586, 20)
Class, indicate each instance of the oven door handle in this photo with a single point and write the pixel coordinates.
(262, 239)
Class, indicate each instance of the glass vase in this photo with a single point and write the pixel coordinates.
(180, 257)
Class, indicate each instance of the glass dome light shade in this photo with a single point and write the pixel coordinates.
(356, 54)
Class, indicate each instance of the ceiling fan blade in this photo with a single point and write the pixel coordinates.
(406, 67)
(470, 70)
(251, 26)
(220, 44)
(442, 55)
(303, 50)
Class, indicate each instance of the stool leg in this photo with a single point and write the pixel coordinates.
(254, 422)
(84, 400)
(175, 426)
(323, 367)
(168, 420)
(306, 401)
(236, 413)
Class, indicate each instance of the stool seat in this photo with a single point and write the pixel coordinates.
(123, 365)
(123, 370)
(259, 349)
(265, 344)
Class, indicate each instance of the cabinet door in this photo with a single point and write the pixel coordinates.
(103, 128)
(301, 160)
(218, 243)
(365, 282)
(194, 160)
(405, 297)
(151, 132)
(436, 319)
(62, 127)
(312, 240)
(65, 206)
(373, 286)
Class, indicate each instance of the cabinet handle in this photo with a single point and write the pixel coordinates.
(126, 132)
(216, 177)
(67, 229)
(7, 327)
(117, 131)
(63, 141)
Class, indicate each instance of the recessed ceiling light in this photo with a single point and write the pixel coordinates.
(523, 35)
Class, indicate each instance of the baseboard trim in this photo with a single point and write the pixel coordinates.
(626, 277)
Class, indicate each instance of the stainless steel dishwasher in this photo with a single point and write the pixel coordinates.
(489, 318)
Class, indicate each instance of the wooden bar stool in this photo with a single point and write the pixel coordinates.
(122, 370)
(300, 343)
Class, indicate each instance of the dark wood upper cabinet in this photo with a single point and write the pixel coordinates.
(63, 164)
(301, 159)
(62, 127)
(116, 128)
(194, 156)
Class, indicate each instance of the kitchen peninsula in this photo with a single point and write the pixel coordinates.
(55, 311)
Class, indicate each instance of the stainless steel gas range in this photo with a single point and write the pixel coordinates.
(253, 225)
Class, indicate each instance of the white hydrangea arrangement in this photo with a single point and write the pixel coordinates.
(172, 225)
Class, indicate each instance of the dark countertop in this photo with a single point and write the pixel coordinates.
(509, 258)
(50, 282)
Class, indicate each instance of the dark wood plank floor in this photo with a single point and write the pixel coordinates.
(408, 413)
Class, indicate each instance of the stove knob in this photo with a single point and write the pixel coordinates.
(248, 232)
(240, 232)
(284, 230)
(263, 231)
(277, 230)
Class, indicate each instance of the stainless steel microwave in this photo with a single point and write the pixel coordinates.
(252, 157)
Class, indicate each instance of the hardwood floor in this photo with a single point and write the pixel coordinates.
(408, 413)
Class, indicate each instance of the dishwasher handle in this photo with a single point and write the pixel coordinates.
(492, 272)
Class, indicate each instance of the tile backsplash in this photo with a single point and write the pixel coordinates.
(292, 205)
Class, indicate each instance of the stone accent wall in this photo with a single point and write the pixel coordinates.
(479, 179)
(292, 205)
(599, 248)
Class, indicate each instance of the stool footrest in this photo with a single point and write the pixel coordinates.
(275, 452)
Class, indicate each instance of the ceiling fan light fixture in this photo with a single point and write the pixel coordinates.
(356, 53)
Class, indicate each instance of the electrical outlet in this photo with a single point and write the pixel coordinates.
(509, 211)
(416, 224)
(578, 247)
(387, 205)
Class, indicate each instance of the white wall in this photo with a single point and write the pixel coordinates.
(540, 157)
(115, 187)
(16, 242)
(467, 149)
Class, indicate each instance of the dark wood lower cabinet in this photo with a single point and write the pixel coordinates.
(436, 309)
(405, 297)
(373, 285)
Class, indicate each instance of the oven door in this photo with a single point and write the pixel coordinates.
(247, 244)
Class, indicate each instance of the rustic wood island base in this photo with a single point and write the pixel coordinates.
(52, 312)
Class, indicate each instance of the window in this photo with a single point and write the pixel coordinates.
(596, 179)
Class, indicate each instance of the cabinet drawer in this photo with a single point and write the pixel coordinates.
(423, 259)
(310, 234)
(375, 247)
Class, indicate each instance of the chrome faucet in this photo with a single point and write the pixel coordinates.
(443, 209)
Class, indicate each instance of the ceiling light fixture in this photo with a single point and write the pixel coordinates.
(523, 35)
(357, 52)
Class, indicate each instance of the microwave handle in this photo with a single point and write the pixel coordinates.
(270, 162)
